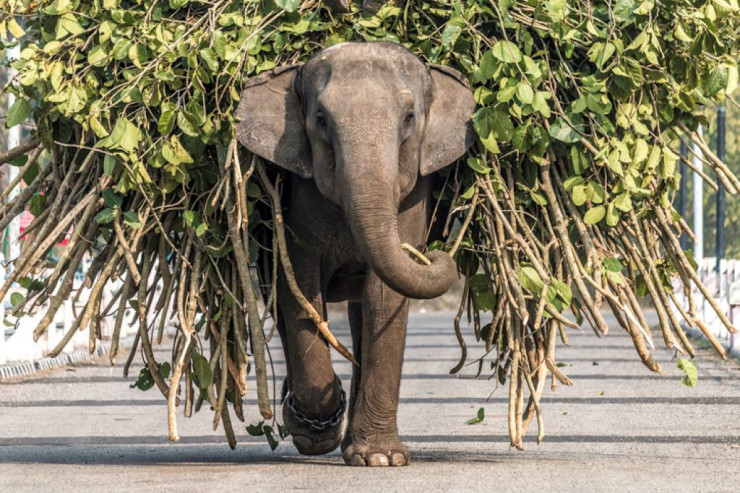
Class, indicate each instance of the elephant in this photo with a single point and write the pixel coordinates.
(361, 127)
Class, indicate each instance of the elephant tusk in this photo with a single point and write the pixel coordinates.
(416, 253)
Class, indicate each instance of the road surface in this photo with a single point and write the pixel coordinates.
(619, 428)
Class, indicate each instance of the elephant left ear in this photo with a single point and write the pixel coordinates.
(449, 129)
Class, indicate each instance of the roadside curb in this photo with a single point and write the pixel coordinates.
(26, 368)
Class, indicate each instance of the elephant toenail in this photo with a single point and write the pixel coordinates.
(378, 460)
(357, 460)
(398, 459)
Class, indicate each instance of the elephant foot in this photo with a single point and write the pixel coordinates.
(375, 453)
(314, 436)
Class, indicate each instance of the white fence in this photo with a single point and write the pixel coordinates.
(725, 289)
(16, 335)
(17, 344)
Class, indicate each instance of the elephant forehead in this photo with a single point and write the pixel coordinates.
(376, 95)
(362, 61)
(358, 50)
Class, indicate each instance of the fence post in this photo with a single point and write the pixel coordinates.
(698, 186)
(682, 192)
(12, 233)
(720, 224)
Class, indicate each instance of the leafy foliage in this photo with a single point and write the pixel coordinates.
(691, 373)
(569, 188)
(479, 417)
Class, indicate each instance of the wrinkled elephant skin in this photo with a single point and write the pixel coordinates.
(362, 127)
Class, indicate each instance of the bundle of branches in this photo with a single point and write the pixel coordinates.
(564, 204)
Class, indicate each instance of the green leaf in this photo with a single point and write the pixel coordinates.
(594, 215)
(450, 34)
(487, 66)
(18, 113)
(68, 25)
(489, 122)
(288, 5)
(595, 192)
(477, 165)
(270, 438)
(506, 94)
(530, 280)
(187, 127)
(668, 165)
(166, 119)
(109, 164)
(623, 202)
(485, 301)
(112, 199)
(37, 205)
(612, 265)
(253, 190)
(479, 283)
(145, 381)
(124, 136)
(479, 417)
(507, 52)
(31, 174)
(106, 216)
(164, 369)
(121, 49)
(641, 151)
(525, 93)
(19, 161)
(98, 55)
(716, 81)
(691, 373)
(210, 58)
(256, 430)
(15, 29)
(555, 7)
(97, 127)
(189, 217)
(579, 195)
(539, 103)
(132, 219)
(612, 216)
(201, 370)
(174, 152)
(538, 198)
(560, 130)
(17, 299)
(573, 182)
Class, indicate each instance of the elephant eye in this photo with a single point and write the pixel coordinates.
(320, 121)
(409, 118)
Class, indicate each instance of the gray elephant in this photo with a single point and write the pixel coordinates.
(361, 127)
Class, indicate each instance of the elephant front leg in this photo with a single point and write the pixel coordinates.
(371, 438)
(313, 408)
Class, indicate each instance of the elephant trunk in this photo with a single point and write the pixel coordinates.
(371, 208)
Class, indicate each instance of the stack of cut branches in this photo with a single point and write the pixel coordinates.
(564, 204)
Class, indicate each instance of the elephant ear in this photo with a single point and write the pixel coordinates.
(449, 129)
(270, 121)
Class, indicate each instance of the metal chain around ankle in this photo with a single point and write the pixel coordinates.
(318, 424)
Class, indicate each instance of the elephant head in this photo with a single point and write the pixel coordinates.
(365, 121)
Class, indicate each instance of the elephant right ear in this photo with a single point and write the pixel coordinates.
(270, 121)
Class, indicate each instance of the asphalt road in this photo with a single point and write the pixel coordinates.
(619, 428)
